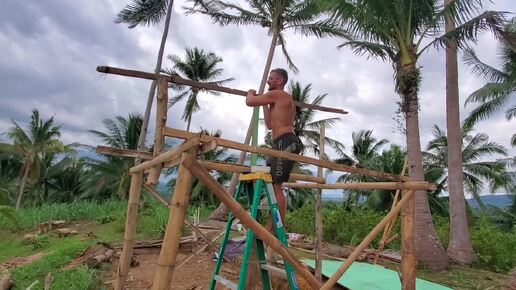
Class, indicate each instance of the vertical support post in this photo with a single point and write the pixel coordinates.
(178, 206)
(161, 122)
(130, 230)
(318, 211)
(408, 257)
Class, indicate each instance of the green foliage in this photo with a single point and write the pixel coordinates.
(40, 242)
(9, 215)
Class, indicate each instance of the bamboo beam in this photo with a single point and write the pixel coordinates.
(408, 251)
(204, 177)
(205, 86)
(123, 152)
(161, 122)
(367, 240)
(190, 143)
(179, 204)
(416, 185)
(318, 211)
(130, 230)
(170, 132)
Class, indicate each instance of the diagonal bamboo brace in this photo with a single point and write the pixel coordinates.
(367, 240)
(166, 156)
(204, 177)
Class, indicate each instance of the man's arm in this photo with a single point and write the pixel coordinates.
(267, 116)
(254, 100)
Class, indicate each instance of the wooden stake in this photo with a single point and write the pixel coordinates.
(170, 132)
(179, 204)
(130, 230)
(318, 212)
(367, 240)
(190, 143)
(161, 123)
(204, 176)
(206, 86)
(408, 256)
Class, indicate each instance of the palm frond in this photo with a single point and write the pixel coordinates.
(482, 69)
(143, 13)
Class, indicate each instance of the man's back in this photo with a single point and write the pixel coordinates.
(282, 113)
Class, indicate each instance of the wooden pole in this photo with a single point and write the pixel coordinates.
(170, 132)
(206, 86)
(123, 152)
(205, 178)
(408, 256)
(419, 185)
(179, 204)
(367, 240)
(130, 230)
(190, 143)
(318, 211)
(161, 123)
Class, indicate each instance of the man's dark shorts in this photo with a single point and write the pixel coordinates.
(281, 167)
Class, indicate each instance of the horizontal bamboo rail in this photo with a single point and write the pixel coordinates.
(205, 178)
(170, 132)
(166, 155)
(367, 240)
(123, 152)
(416, 185)
(206, 86)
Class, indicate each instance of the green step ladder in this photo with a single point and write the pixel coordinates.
(254, 184)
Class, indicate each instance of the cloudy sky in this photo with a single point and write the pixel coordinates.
(50, 50)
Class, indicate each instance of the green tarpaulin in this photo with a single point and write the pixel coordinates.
(363, 276)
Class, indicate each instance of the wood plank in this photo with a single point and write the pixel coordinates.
(171, 132)
(201, 85)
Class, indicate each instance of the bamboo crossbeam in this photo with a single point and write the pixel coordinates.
(171, 132)
(201, 85)
(205, 178)
(166, 156)
(367, 240)
(416, 185)
(123, 152)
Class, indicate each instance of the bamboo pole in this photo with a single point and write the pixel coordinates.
(161, 123)
(190, 143)
(170, 132)
(367, 240)
(204, 177)
(408, 256)
(179, 204)
(206, 86)
(318, 211)
(390, 225)
(418, 185)
(123, 152)
(130, 230)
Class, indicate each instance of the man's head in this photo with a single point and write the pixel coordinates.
(277, 80)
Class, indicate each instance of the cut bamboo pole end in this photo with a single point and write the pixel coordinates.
(194, 141)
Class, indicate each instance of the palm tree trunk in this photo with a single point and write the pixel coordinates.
(23, 181)
(459, 247)
(150, 99)
(221, 211)
(427, 245)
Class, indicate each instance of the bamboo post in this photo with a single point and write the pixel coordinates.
(367, 240)
(178, 205)
(205, 178)
(390, 225)
(161, 123)
(130, 230)
(408, 257)
(318, 212)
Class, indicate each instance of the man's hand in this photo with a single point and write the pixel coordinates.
(251, 93)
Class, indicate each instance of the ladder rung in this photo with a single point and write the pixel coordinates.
(275, 269)
(263, 207)
(226, 282)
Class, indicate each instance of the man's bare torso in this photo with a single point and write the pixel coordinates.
(282, 114)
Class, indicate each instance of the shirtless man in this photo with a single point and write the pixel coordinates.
(279, 113)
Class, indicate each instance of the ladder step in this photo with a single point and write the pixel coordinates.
(226, 282)
(271, 268)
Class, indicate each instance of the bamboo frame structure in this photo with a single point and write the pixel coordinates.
(185, 155)
(318, 211)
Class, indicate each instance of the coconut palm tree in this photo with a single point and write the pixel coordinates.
(200, 66)
(146, 13)
(40, 137)
(395, 31)
(10, 166)
(477, 172)
(501, 87)
(199, 193)
(277, 17)
(109, 175)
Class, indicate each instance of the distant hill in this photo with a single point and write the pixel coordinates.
(501, 201)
